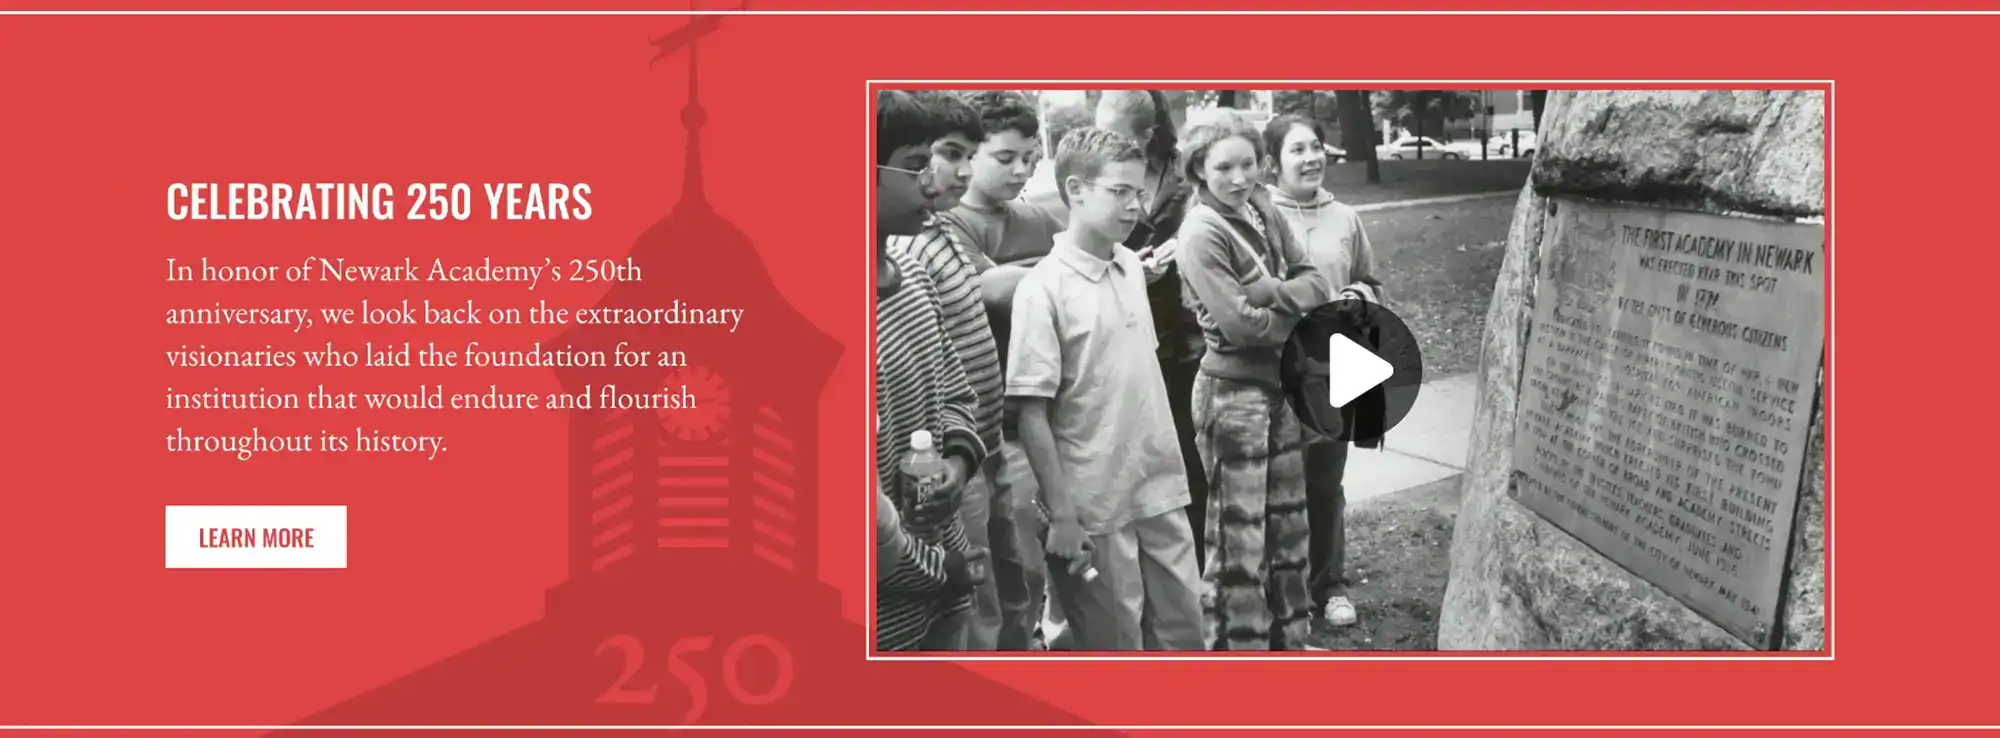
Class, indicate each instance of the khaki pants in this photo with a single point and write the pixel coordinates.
(975, 514)
(1021, 575)
(1147, 592)
(1001, 617)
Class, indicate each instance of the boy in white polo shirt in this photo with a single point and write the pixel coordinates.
(1094, 418)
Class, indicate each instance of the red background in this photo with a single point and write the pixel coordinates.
(101, 113)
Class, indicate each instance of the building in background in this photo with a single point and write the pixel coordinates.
(1491, 113)
(1511, 111)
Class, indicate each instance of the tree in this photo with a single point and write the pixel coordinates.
(1064, 119)
(1536, 100)
(1191, 99)
(1181, 101)
(1357, 130)
(1421, 110)
(1319, 105)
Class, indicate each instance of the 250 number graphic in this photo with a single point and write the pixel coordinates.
(624, 690)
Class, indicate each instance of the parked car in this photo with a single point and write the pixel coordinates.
(1408, 147)
(1502, 145)
(1335, 154)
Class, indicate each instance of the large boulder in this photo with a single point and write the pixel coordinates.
(1518, 582)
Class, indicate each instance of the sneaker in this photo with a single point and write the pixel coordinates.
(1320, 636)
(1061, 641)
(1035, 640)
(1339, 612)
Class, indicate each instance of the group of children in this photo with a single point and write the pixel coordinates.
(1099, 366)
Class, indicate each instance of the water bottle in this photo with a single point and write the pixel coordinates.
(923, 468)
(923, 473)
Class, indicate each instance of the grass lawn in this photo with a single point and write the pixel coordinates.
(1438, 263)
(1410, 180)
(1398, 559)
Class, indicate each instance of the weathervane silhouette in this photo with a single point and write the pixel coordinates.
(693, 592)
(685, 495)
(692, 115)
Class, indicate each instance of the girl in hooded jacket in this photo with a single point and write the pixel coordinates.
(1251, 282)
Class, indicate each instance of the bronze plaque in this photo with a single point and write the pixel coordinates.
(1667, 391)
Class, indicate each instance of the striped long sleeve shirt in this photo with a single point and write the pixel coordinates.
(955, 274)
(920, 384)
(902, 562)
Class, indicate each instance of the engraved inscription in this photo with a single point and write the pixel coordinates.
(1664, 400)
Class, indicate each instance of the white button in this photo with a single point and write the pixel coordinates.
(1352, 370)
(256, 536)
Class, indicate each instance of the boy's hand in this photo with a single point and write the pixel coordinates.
(930, 515)
(1068, 541)
(938, 510)
(955, 470)
(964, 570)
(976, 569)
(1158, 259)
(953, 487)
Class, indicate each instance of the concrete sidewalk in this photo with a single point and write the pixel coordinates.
(1430, 444)
(1444, 200)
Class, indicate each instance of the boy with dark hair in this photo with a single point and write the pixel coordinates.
(951, 155)
(1094, 417)
(1001, 236)
(1008, 230)
(922, 598)
(952, 269)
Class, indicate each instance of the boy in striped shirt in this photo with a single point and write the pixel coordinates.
(921, 602)
(956, 276)
(1002, 235)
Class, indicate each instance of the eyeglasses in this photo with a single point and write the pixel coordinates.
(923, 175)
(1124, 195)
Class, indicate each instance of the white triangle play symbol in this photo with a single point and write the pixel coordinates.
(1352, 370)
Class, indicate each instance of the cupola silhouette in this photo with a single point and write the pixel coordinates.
(693, 591)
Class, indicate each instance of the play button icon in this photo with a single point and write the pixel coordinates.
(1352, 370)
(1360, 370)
